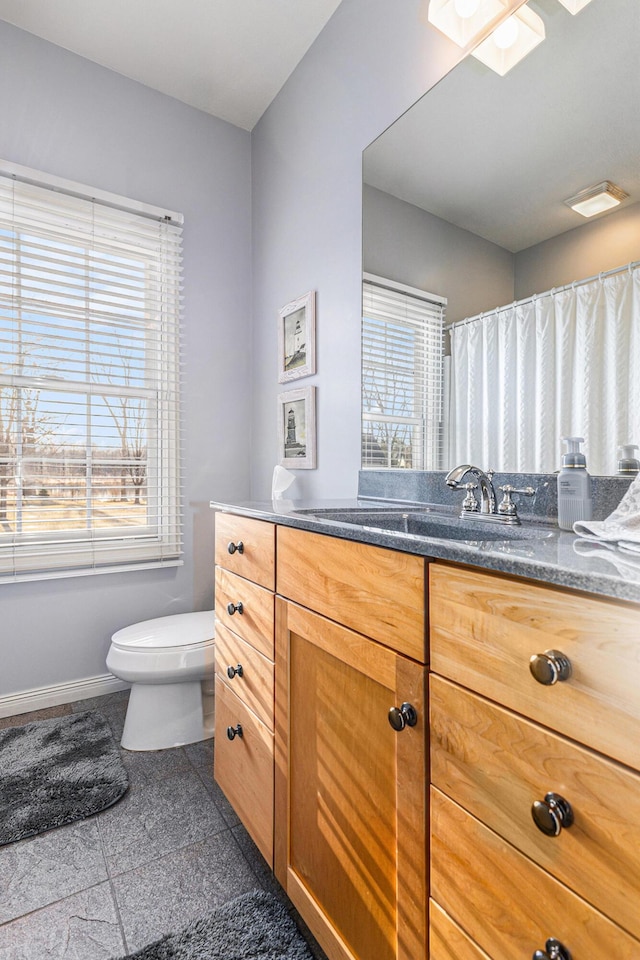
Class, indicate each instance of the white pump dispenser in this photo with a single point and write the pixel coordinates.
(628, 464)
(574, 486)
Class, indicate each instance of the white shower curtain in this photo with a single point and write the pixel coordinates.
(564, 363)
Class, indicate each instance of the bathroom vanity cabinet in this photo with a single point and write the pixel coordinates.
(404, 828)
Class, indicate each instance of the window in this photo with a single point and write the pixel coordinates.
(89, 380)
(401, 376)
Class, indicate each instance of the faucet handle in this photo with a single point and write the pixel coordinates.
(470, 503)
(507, 507)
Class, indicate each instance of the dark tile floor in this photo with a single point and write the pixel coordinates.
(171, 850)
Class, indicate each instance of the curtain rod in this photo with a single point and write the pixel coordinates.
(548, 293)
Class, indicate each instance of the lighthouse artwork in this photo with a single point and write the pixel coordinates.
(297, 339)
(295, 353)
(296, 428)
(294, 445)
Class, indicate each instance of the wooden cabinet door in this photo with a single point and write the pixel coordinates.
(350, 790)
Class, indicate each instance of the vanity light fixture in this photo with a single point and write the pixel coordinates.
(517, 36)
(592, 200)
(574, 6)
(463, 20)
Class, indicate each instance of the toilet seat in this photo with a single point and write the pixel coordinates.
(183, 630)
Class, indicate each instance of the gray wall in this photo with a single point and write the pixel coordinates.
(69, 117)
(404, 243)
(373, 59)
(596, 246)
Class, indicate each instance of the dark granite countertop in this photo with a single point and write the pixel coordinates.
(555, 557)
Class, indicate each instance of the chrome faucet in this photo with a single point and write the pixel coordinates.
(487, 493)
(505, 512)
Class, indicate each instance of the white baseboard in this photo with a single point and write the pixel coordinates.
(53, 696)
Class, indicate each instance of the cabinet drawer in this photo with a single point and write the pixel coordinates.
(243, 767)
(485, 628)
(378, 592)
(254, 622)
(495, 765)
(447, 941)
(504, 902)
(254, 685)
(256, 559)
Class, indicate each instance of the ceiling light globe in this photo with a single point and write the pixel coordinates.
(506, 34)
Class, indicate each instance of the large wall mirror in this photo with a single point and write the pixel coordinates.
(464, 197)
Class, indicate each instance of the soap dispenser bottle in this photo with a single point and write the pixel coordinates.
(574, 486)
(628, 465)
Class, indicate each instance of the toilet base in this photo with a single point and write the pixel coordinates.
(208, 706)
(164, 715)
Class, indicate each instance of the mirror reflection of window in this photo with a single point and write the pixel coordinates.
(401, 376)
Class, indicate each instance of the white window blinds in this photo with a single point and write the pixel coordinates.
(89, 381)
(401, 376)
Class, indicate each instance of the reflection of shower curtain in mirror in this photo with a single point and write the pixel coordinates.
(563, 363)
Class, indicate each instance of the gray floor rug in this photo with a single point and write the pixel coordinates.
(254, 926)
(54, 772)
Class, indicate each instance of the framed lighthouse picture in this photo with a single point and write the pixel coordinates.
(297, 338)
(297, 428)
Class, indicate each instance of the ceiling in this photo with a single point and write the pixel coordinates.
(226, 57)
(498, 155)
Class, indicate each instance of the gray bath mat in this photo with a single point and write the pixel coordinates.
(254, 926)
(57, 771)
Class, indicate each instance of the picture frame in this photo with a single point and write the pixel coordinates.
(297, 428)
(297, 338)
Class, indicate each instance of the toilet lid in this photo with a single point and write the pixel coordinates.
(177, 630)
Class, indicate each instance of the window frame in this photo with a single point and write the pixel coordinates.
(157, 540)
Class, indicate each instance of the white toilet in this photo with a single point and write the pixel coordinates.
(169, 663)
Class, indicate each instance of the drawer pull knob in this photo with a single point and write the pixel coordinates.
(232, 547)
(554, 950)
(404, 716)
(550, 667)
(234, 671)
(233, 732)
(552, 814)
(234, 608)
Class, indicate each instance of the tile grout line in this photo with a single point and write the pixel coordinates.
(112, 889)
(52, 903)
(116, 905)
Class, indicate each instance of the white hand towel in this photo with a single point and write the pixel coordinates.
(622, 526)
